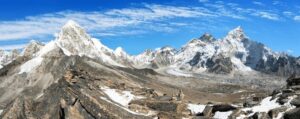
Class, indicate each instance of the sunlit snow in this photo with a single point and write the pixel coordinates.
(195, 109)
(222, 115)
(122, 97)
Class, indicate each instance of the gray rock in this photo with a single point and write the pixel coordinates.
(250, 103)
(208, 111)
(260, 115)
(296, 101)
(292, 114)
(223, 108)
(274, 112)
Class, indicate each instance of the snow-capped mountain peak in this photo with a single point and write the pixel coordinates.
(206, 37)
(74, 39)
(236, 34)
(32, 48)
(166, 49)
(120, 52)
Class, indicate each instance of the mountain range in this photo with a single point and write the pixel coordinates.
(76, 76)
(206, 54)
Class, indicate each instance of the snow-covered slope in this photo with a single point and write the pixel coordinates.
(7, 56)
(160, 57)
(32, 48)
(73, 40)
(233, 53)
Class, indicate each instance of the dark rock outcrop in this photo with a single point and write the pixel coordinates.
(292, 114)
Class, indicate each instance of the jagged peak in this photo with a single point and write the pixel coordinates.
(34, 42)
(119, 51)
(71, 23)
(237, 33)
(74, 38)
(165, 48)
(73, 29)
(147, 51)
(206, 37)
(33, 47)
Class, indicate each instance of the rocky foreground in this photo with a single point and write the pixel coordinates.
(83, 92)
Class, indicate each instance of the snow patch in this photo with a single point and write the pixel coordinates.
(239, 65)
(36, 61)
(265, 105)
(178, 73)
(122, 97)
(222, 115)
(128, 110)
(31, 65)
(40, 95)
(119, 51)
(195, 109)
(47, 48)
(1, 66)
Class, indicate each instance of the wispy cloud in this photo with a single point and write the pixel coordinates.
(203, 1)
(223, 10)
(99, 21)
(267, 15)
(11, 47)
(297, 18)
(137, 20)
(276, 2)
(258, 3)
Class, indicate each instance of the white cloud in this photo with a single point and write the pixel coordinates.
(203, 1)
(288, 13)
(276, 2)
(297, 18)
(11, 47)
(138, 20)
(258, 3)
(97, 22)
(267, 15)
(222, 10)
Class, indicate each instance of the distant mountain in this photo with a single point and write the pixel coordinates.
(6, 57)
(235, 53)
(76, 76)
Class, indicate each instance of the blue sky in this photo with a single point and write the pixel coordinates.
(137, 25)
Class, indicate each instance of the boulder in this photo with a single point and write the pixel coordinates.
(208, 111)
(274, 112)
(292, 114)
(201, 117)
(223, 108)
(283, 98)
(250, 103)
(293, 81)
(236, 113)
(260, 115)
(296, 88)
(296, 102)
(169, 115)
(288, 91)
(275, 92)
(166, 106)
(164, 98)
(139, 108)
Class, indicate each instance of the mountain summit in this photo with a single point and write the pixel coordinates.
(237, 34)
